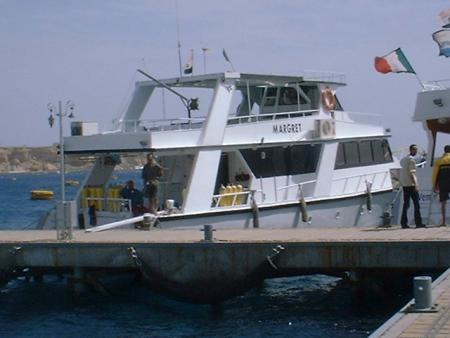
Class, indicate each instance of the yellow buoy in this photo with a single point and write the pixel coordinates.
(41, 194)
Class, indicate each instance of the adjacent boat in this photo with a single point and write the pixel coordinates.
(41, 194)
(270, 151)
(432, 110)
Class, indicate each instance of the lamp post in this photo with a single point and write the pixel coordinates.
(204, 50)
(68, 111)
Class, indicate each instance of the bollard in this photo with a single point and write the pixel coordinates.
(148, 221)
(208, 232)
(422, 292)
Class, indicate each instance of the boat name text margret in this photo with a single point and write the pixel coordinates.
(287, 128)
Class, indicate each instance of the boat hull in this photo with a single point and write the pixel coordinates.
(343, 212)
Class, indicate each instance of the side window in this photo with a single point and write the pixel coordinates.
(304, 158)
(352, 154)
(279, 161)
(365, 152)
(381, 151)
(312, 93)
(340, 157)
(288, 96)
(271, 96)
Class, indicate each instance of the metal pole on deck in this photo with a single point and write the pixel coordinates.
(61, 153)
(69, 106)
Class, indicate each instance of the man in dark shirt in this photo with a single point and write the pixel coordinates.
(151, 172)
(135, 196)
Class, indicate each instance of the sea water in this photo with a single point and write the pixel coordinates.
(306, 306)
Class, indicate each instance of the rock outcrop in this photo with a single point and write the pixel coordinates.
(27, 159)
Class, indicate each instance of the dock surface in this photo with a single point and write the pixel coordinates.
(394, 234)
(427, 324)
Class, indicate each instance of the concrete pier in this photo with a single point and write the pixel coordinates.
(434, 322)
(183, 263)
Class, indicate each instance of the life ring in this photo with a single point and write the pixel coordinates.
(328, 99)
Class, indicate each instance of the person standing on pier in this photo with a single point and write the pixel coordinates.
(410, 184)
(151, 172)
(441, 180)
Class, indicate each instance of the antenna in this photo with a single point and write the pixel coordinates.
(204, 49)
(178, 37)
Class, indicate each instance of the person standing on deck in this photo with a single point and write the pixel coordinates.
(151, 172)
(410, 184)
(129, 192)
(441, 180)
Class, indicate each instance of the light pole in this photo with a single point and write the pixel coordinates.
(68, 111)
(204, 49)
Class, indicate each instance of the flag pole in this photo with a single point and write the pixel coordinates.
(178, 37)
(420, 81)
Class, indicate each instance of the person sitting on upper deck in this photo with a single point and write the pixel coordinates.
(288, 96)
(129, 192)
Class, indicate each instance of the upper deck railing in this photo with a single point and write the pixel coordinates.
(197, 123)
(346, 116)
(317, 75)
(270, 116)
(436, 85)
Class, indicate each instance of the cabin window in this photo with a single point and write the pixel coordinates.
(381, 151)
(365, 152)
(352, 153)
(304, 158)
(288, 96)
(271, 97)
(282, 161)
(312, 93)
(340, 158)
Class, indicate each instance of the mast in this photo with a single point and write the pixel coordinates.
(178, 37)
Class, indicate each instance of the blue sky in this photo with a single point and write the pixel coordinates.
(88, 51)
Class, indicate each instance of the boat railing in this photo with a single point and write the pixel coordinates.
(107, 204)
(271, 116)
(160, 125)
(231, 199)
(298, 186)
(351, 117)
(317, 75)
(436, 85)
(362, 182)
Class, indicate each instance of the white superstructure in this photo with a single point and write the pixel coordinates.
(287, 155)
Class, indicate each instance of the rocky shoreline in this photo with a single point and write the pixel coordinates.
(40, 159)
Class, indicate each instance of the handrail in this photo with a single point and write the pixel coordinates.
(270, 116)
(163, 124)
(360, 177)
(351, 117)
(219, 198)
(299, 185)
(195, 123)
(119, 201)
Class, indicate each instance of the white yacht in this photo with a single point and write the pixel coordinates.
(433, 111)
(270, 151)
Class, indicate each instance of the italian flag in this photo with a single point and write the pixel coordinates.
(394, 62)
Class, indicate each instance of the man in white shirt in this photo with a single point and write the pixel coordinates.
(408, 180)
